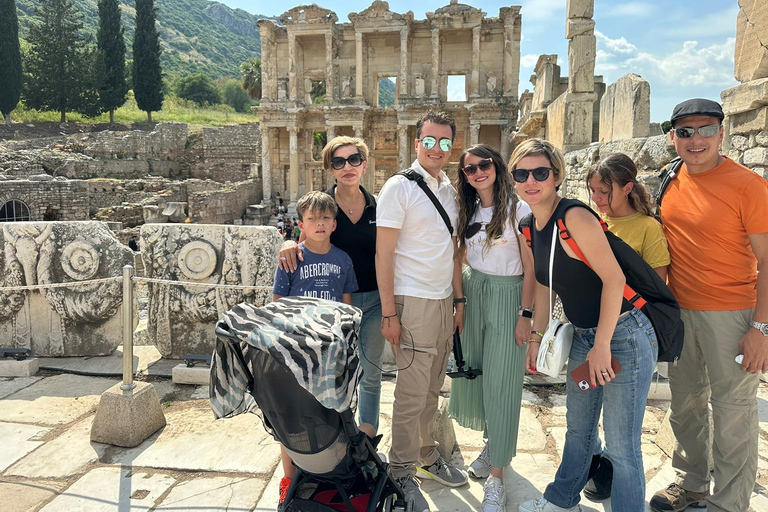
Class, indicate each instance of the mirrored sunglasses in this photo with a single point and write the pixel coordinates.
(338, 162)
(705, 131)
(483, 165)
(539, 174)
(429, 142)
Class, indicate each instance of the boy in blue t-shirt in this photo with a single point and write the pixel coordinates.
(326, 271)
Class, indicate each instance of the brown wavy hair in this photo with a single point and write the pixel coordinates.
(620, 169)
(504, 194)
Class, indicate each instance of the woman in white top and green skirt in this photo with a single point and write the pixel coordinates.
(499, 286)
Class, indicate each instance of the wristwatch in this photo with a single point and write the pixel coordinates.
(525, 312)
(763, 328)
(460, 300)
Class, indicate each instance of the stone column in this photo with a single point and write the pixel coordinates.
(358, 67)
(293, 186)
(292, 78)
(266, 165)
(404, 53)
(435, 92)
(511, 63)
(330, 132)
(474, 133)
(474, 89)
(504, 146)
(329, 94)
(402, 146)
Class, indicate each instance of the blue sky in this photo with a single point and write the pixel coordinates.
(684, 49)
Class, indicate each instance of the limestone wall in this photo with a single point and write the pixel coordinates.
(239, 144)
(751, 53)
(47, 197)
(222, 206)
(181, 318)
(625, 109)
(166, 142)
(746, 124)
(77, 320)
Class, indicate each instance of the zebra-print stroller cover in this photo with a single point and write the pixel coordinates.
(315, 339)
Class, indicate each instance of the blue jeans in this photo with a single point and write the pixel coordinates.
(634, 346)
(371, 349)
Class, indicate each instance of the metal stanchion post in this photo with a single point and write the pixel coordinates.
(128, 383)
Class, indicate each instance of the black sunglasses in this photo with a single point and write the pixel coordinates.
(705, 131)
(473, 229)
(355, 160)
(471, 169)
(539, 174)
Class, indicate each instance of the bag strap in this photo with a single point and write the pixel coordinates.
(630, 294)
(419, 179)
(551, 268)
(666, 176)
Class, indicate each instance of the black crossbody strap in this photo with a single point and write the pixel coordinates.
(419, 179)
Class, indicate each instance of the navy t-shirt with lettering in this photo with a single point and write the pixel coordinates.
(326, 276)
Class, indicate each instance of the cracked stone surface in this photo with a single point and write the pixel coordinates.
(18, 441)
(216, 494)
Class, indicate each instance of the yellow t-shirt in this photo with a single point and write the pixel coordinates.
(644, 234)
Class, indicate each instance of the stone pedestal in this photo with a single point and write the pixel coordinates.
(127, 418)
(13, 368)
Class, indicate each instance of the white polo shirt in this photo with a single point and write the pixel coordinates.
(424, 250)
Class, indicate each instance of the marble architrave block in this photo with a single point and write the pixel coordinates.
(581, 63)
(78, 320)
(751, 53)
(182, 317)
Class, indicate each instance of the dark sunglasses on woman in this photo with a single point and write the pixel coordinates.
(471, 169)
(539, 174)
(705, 131)
(338, 162)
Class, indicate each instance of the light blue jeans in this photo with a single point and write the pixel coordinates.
(371, 350)
(634, 346)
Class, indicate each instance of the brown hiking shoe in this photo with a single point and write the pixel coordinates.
(675, 499)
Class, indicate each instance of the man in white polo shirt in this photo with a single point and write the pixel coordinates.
(419, 276)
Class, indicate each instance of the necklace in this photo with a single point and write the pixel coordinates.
(344, 205)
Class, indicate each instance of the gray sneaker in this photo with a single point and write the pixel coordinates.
(481, 467)
(441, 471)
(494, 497)
(413, 493)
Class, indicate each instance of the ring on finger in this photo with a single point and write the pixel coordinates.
(283, 258)
(604, 373)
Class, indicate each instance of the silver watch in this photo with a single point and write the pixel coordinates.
(763, 328)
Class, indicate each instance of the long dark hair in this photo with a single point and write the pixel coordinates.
(503, 195)
(620, 169)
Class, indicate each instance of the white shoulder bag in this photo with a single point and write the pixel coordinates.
(556, 343)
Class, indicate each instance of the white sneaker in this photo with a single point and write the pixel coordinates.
(481, 467)
(542, 505)
(494, 497)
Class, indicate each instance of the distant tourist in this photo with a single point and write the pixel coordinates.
(134, 244)
(715, 216)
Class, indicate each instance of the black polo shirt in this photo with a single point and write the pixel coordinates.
(358, 240)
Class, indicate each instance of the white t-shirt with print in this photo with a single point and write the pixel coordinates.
(503, 257)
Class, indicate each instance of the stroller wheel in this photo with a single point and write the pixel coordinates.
(390, 505)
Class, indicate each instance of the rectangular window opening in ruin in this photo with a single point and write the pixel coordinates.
(457, 88)
(387, 92)
(319, 140)
(317, 94)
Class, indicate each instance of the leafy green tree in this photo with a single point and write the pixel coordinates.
(147, 74)
(235, 96)
(198, 88)
(59, 70)
(666, 126)
(251, 72)
(10, 59)
(110, 59)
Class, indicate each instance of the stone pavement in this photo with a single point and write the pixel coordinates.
(48, 464)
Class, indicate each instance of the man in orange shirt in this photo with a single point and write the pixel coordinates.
(715, 217)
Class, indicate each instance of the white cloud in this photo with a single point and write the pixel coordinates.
(630, 10)
(528, 61)
(543, 10)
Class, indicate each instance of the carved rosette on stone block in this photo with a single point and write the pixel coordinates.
(78, 320)
(182, 316)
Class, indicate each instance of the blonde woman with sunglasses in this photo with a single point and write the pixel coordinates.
(499, 286)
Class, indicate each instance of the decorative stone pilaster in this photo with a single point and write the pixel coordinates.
(293, 186)
(404, 53)
(329, 74)
(330, 133)
(358, 67)
(292, 78)
(402, 146)
(474, 133)
(435, 91)
(266, 165)
(474, 89)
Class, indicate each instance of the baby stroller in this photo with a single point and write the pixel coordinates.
(294, 362)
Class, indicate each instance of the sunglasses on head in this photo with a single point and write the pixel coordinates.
(471, 169)
(539, 174)
(429, 142)
(338, 162)
(705, 131)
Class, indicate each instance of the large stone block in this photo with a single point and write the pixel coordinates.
(193, 258)
(80, 319)
(625, 109)
(745, 97)
(749, 122)
(751, 52)
(127, 418)
(756, 157)
(581, 63)
(569, 121)
(580, 8)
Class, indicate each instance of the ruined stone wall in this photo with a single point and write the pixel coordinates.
(166, 142)
(625, 109)
(751, 52)
(746, 124)
(224, 205)
(48, 197)
(239, 144)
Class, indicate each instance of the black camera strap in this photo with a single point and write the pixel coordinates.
(419, 179)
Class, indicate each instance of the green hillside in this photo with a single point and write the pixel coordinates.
(197, 36)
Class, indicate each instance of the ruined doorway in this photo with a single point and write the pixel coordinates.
(15, 211)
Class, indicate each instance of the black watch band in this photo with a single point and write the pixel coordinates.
(461, 300)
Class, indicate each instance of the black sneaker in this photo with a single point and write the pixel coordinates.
(598, 486)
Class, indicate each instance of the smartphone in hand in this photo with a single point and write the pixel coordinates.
(580, 375)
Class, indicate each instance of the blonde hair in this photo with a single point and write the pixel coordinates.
(342, 140)
(316, 202)
(533, 147)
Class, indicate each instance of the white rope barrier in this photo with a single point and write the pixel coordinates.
(59, 285)
(133, 279)
(200, 285)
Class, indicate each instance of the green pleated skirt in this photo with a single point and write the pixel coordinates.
(491, 402)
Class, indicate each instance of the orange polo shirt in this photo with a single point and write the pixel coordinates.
(706, 219)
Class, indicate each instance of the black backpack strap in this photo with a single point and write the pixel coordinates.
(419, 179)
(666, 176)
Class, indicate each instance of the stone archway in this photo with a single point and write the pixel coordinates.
(15, 210)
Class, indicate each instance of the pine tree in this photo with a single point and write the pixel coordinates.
(59, 71)
(147, 74)
(110, 59)
(10, 59)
